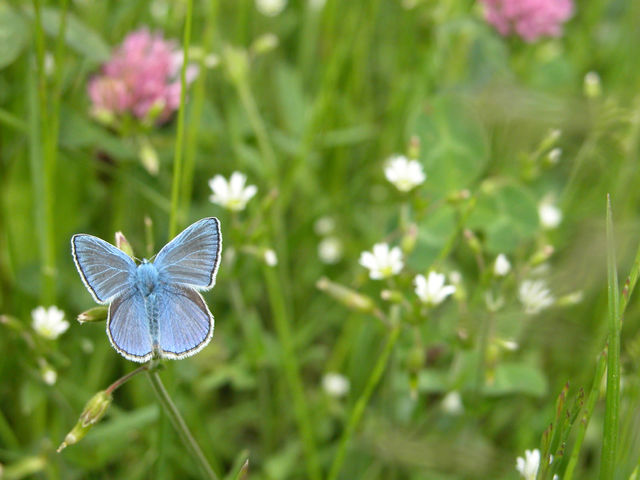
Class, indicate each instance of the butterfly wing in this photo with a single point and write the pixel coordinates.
(105, 270)
(128, 327)
(192, 258)
(185, 324)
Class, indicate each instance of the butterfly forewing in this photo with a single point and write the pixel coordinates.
(192, 257)
(128, 326)
(185, 324)
(106, 270)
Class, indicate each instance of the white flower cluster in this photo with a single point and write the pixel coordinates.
(232, 194)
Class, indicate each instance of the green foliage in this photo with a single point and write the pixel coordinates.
(443, 390)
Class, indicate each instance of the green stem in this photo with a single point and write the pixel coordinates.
(257, 125)
(48, 152)
(361, 404)
(180, 425)
(197, 104)
(125, 378)
(292, 371)
(586, 416)
(627, 291)
(177, 158)
(611, 420)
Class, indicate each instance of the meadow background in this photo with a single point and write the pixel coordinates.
(310, 103)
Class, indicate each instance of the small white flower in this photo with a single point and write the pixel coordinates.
(271, 8)
(211, 60)
(403, 173)
(330, 250)
(49, 322)
(502, 266)
(324, 225)
(335, 384)
(49, 376)
(432, 289)
(232, 194)
(317, 4)
(383, 262)
(270, 257)
(455, 277)
(528, 466)
(535, 296)
(510, 345)
(550, 215)
(452, 403)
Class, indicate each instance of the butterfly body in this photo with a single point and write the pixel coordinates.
(154, 307)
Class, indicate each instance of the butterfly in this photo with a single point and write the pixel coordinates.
(154, 307)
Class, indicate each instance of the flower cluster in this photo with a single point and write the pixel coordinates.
(530, 19)
(142, 79)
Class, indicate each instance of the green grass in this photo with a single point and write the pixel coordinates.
(311, 122)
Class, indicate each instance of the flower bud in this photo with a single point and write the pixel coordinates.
(95, 314)
(93, 411)
(346, 296)
(149, 158)
(542, 255)
(123, 244)
(592, 87)
(264, 44)
(413, 151)
(393, 296)
(236, 62)
(409, 239)
(550, 139)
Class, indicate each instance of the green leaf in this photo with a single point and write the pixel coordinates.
(434, 232)
(454, 145)
(78, 36)
(517, 378)
(14, 35)
(507, 214)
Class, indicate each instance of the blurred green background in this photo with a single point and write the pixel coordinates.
(311, 122)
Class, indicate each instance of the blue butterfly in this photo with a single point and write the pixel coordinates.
(154, 308)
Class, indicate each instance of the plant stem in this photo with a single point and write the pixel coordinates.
(125, 378)
(48, 139)
(197, 104)
(177, 156)
(361, 404)
(292, 371)
(611, 420)
(180, 425)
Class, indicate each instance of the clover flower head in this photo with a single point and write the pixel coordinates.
(49, 322)
(432, 290)
(382, 262)
(529, 19)
(403, 173)
(335, 384)
(232, 194)
(141, 77)
(535, 296)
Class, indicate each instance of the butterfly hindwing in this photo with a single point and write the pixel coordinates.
(185, 324)
(106, 270)
(192, 257)
(128, 327)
